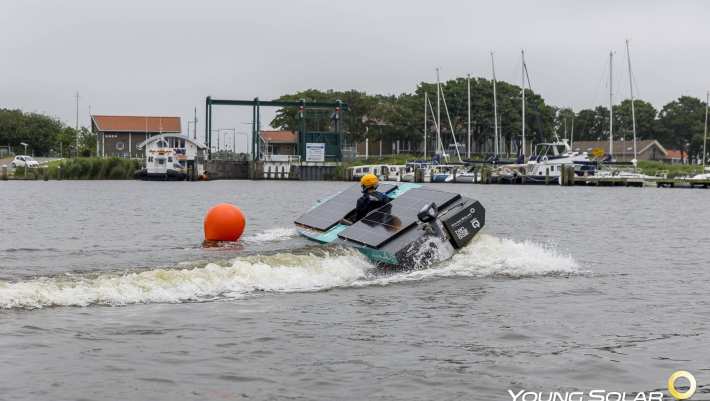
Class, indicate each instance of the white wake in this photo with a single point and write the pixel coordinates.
(282, 272)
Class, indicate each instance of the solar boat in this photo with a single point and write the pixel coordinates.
(418, 227)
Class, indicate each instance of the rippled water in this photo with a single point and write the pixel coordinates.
(106, 293)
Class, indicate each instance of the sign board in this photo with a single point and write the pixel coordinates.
(315, 152)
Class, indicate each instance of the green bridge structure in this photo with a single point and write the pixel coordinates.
(333, 140)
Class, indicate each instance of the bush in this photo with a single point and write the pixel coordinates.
(117, 173)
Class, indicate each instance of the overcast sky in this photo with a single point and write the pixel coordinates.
(150, 57)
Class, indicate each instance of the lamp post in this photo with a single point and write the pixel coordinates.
(25, 145)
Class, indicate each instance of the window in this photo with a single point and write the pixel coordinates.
(161, 161)
(161, 144)
(150, 159)
(170, 159)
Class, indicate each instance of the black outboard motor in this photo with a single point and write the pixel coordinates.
(463, 220)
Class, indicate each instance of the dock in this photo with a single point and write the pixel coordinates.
(569, 178)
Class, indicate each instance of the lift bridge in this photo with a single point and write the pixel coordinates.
(333, 140)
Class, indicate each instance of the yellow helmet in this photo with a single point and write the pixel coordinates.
(369, 181)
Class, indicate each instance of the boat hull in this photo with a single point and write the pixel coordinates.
(170, 175)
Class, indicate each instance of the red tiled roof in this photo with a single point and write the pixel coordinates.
(279, 136)
(137, 124)
(620, 147)
(674, 154)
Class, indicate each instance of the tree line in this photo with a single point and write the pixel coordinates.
(677, 125)
(44, 135)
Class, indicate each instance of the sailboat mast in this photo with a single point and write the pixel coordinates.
(631, 86)
(522, 86)
(468, 144)
(495, 106)
(705, 137)
(611, 104)
(438, 111)
(426, 99)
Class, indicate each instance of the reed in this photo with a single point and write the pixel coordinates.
(92, 168)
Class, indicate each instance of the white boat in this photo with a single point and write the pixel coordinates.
(455, 174)
(444, 172)
(171, 157)
(468, 176)
(624, 174)
(393, 172)
(385, 172)
(411, 167)
(548, 160)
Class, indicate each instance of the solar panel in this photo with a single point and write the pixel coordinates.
(385, 223)
(328, 213)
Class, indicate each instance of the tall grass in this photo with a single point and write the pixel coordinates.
(674, 170)
(92, 168)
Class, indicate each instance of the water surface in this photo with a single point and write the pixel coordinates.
(106, 293)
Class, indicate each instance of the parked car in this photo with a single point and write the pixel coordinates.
(22, 161)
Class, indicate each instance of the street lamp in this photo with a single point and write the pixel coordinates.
(25, 145)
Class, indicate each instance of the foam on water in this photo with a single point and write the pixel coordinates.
(282, 272)
(272, 235)
(491, 256)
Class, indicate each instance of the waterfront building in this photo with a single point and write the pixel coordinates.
(623, 151)
(279, 143)
(119, 136)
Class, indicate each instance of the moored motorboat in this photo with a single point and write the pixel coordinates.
(545, 166)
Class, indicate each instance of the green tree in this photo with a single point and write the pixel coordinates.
(681, 124)
(38, 131)
(87, 143)
(401, 116)
(66, 142)
(646, 114)
(354, 123)
(564, 122)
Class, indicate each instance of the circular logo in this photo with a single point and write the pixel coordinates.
(671, 385)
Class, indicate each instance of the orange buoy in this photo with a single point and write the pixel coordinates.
(224, 222)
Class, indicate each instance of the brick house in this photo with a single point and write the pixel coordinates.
(279, 142)
(647, 149)
(119, 136)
